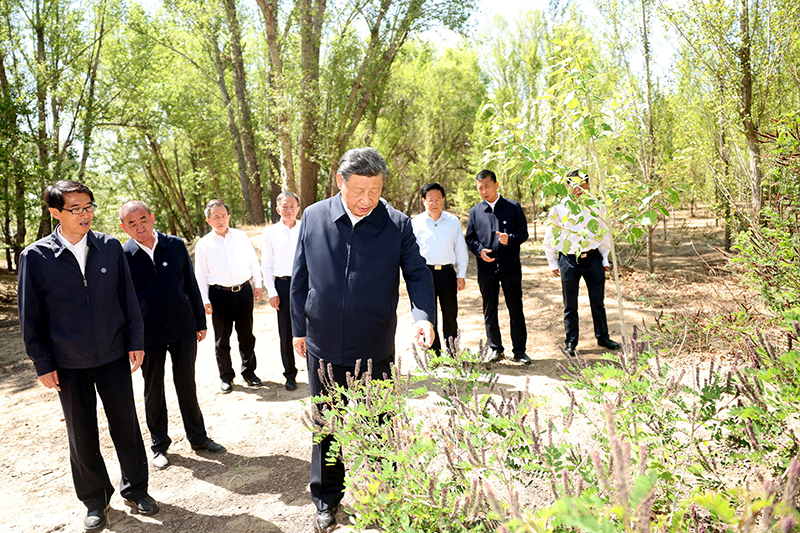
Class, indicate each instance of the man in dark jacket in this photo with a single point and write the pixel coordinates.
(495, 230)
(344, 295)
(174, 321)
(82, 325)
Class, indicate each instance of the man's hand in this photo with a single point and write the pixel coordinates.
(208, 309)
(461, 283)
(485, 255)
(50, 381)
(425, 333)
(299, 344)
(503, 237)
(201, 334)
(275, 301)
(259, 290)
(557, 272)
(136, 357)
(607, 268)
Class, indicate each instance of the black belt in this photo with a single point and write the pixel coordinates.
(235, 288)
(582, 255)
(284, 278)
(439, 267)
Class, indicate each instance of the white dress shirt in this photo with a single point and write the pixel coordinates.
(79, 250)
(575, 236)
(441, 242)
(278, 244)
(226, 261)
(149, 251)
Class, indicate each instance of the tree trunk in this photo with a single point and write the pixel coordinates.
(311, 17)
(45, 224)
(172, 194)
(648, 165)
(248, 136)
(91, 75)
(750, 128)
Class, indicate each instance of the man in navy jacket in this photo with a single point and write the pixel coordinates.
(344, 295)
(82, 328)
(174, 321)
(495, 230)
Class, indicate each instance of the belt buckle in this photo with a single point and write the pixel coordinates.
(437, 267)
(236, 288)
(584, 254)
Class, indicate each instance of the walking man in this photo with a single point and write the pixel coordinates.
(279, 242)
(441, 243)
(225, 262)
(82, 329)
(174, 321)
(579, 253)
(495, 230)
(344, 295)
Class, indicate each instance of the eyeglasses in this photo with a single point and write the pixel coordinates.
(91, 208)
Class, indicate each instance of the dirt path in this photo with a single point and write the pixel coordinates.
(261, 483)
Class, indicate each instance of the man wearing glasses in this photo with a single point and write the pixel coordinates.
(224, 263)
(441, 243)
(82, 328)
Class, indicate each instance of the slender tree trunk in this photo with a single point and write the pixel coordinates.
(91, 75)
(247, 131)
(269, 10)
(649, 156)
(750, 128)
(173, 195)
(311, 17)
(45, 224)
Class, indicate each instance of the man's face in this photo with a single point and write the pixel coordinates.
(287, 209)
(139, 225)
(580, 188)
(434, 203)
(218, 219)
(487, 188)
(361, 193)
(74, 225)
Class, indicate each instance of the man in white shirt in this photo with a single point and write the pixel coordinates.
(225, 261)
(278, 245)
(441, 243)
(577, 250)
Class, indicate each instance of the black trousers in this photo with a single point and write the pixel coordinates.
(233, 309)
(445, 287)
(79, 391)
(184, 354)
(592, 271)
(327, 480)
(285, 328)
(512, 290)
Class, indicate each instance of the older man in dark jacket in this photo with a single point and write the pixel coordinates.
(174, 321)
(81, 325)
(345, 290)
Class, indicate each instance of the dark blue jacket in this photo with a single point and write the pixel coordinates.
(171, 304)
(482, 226)
(72, 320)
(346, 280)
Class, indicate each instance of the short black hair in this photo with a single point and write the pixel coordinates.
(215, 203)
(54, 194)
(432, 187)
(577, 173)
(483, 174)
(362, 162)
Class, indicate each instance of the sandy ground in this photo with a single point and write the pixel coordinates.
(261, 483)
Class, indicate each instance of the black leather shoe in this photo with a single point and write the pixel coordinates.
(608, 343)
(291, 384)
(145, 506)
(522, 358)
(570, 349)
(96, 520)
(226, 387)
(209, 446)
(253, 381)
(325, 520)
(494, 356)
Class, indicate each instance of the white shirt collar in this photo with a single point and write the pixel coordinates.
(353, 219)
(150, 251)
(492, 204)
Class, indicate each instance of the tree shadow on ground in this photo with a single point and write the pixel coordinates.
(175, 519)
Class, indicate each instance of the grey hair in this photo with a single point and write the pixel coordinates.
(362, 162)
(287, 194)
(215, 203)
(130, 207)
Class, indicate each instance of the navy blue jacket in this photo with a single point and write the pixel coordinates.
(346, 281)
(171, 304)
(482, 226)
(72, 320)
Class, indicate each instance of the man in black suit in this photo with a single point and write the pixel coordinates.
(174, 321)
(495, 230)
(344, 295)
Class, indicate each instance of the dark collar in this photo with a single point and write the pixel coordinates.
(58, 247)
